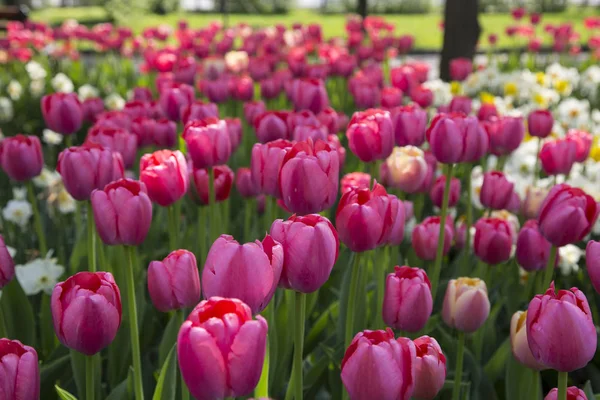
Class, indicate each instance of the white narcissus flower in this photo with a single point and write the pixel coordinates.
(35, 70)
(37, 88)
(14, 90)
(114, 102)
(18, 212)
(62, 83)
(47, 178)
(87, 91)
(39, 275)
(569, 259)
(65, 203)
(52, 138)
(6, 110)
(19, 193)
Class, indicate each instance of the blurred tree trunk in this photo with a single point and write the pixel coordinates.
(461, 32)
(361, 8)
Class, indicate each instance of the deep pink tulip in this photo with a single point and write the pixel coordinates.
(234, 129)
(560, 330)
(493, 240)
(425, 238)
(391, 97)
(62, 112)
(393, 232)
(114, 119)
(165, 174)
(506, 135)
(123, 212)
(252, 109)
(21, 157)
(136, 109)
(249, 272)
(403, 78)
(573, 393)
(115, 139)
(159, 132)
(88, 167)
(314, 132)
(533, 250)
(378, 366)
(409, 125)
(486, 112)
(558, 156)
(430, 368)
(360, 217)
(174, 283)
(208, 142)
(366, 94)
(496, 191)
(241, 88)
(360, 180)
(214, 365)
(266, 162)
(175, 97)
(244, 183)
(311, 247)
(540, 123)
(309, 94)
(455, 138)
(592, 261)
(437, 191)
(306, 166)
(222, 183)
(407, 303)
(421, 96)
(91, 107)
(217, 90)
(271, 125)
(86, 310)
(142, 94)
(519, 344)
(460, 104)
(7, 265)
(370, 134)
(20, 372)
(199, 110)
(301, 118)
(431, 170)
(466, 304)
(460, 68)
(567, 215)
(329, 118)
(583, 140)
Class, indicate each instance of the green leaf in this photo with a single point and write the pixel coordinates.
(495, 366)
(18, 314)
(48, 338)
(587, 389)
(50, 372)
(166, 387)
(63, 394)
(169, 337)
(120, 392)
(520, 381)
(325, 319)
(78, 365)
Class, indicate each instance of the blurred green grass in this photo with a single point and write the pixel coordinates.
(424, 27)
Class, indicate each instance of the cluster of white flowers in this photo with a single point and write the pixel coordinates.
(57, 196)
(7, 111)
(62, 83)
(87, 91)
(39, 275)
(18, 212)
(114, 101)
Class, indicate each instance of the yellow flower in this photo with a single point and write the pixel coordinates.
(540, 78)
(540, 100)
(487, 98)
(510, 89)
(455, 88)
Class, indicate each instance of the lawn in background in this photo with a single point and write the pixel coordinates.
(424, 27)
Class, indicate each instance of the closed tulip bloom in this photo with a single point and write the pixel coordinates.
(62, 112)
(123, 212)
(142, 94)
(533, 250)
(378, 366)
(560, 330)
(88, 167)
(309, 94)
(242, 88)
(310, 246)
(486, 112)
(540, 123)
(493, 240)
(175, 97)
(174, 283)
(425, 238)
(244, 184)
(519, 344)
(252, 109)
(460, 68)
(592, 261)
(249, 272)
(208, 142)
(395, 218)
(7, 265)
(360, 217)
(454, 138)
(301, 118)
(558, 156)
(406, 168)
(567, 215)
(21, 157)
(115, 139)
(329, 118)
(430, 368)
(409, 125)
(114, 119)
(360, 180)
(265, 163)
(460, 104)
(403, 78)
(20, 372)
(91, 107)
(306, 167)
(135, 109)
(466, 304)
(314, 132)
(199, 110)
(215, 365)
(422, 96)
(271, 125)
(573, 393)
(496, 191)
(407, 303)
(86, 310)
(507, 136)
(370, 135)
(391, 97)
(583, 140)
(165, 174)
(222, 183)
(217, 91)
(234, 129)
(437, 191)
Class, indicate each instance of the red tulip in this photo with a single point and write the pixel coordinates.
(165, 174)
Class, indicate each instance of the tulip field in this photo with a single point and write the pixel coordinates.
(237, 212)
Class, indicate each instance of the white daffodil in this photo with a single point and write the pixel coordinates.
(52, 138)
(61, 83)
(65, 203)
(35, 70)
(114, 102)
(6, 110)
(14, 90)
(39, 275)
(87, 91)
(569, 259)
(47, 178)
(19, 193)
(18, 212)
(37, 88)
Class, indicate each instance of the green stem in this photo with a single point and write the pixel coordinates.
(463, 270)
(535, 389)
(459, 366)
(185, 394)
(563, 377)
(536, 167)
(91, 238)
(352, 293)
(299, 344)
(37, 219)
(133, 328)
(379, 268)
(172, 227)
(549, 272)
(89, 378)
(201, 225)
(248, 205)
(262, 389)
(211, 205)
(3, 332)
(435, 274)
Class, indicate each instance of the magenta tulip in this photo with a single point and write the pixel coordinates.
(486, 112)
(265, 164)
(223, 181)
(20, 372)
(208, 142)
(391, 97)
(460, 68)
(252, 109)
(395, 218)
(454, 138)
(165, 174)
(507, 135)
(493, 240)
(370, 135)
(244, 183)
(407, 303)
(533, 250)
(175, 97)
(115, 139)
(460, 104)
(425, 238)
(309, 94)
(437, 191)
(584, 141)
(540, 123)
(199, 110)
(21, 157)
(271, 125)
(7, 265)
(466, 304)
(62, 112)
(430, 368)
(91, 107)
(558, 156)
(496, 191)
(573, 393)
(592, 261)
(234, 129)
(409, 125)
(174, 283)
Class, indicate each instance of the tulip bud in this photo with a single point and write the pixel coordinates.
(309, 94)
(407, 168)
(519, 344)
(20, 372)
(486, 112)
(91, 107)
(370, 135)
(455, 138)
(583, 140)
(407, 303)
(437, 191)
(115, 139)
(265, 163)
(460, 104)
(7, 265)
(493, 240)
(244, 183)
(360, 180)
(249, 272)
(409, 125)
(430, 368)
(174, 283)
(466, 304)
(496, 191)
(199, 110)
(507, 135)
(214, 365)
(234, 129)
(540, 123)
(271, 125)
(21, 157)
(62, 112)
(551, 319)
(175, 97)
(573, 393)
(376, 356)
(567, 215)
(208, 142)
(86, 310)
(223, 180)
(252, 109)
(558, 156)
(88, 167)
(391, 97)
(592, 261)
(533, 250)
(460, 68)
(165, 174)
(311, 247)
(425, 238)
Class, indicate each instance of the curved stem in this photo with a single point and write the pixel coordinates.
(299, 344)
(133, 328)
(352, 293)
(563, 377)
(91, 238)
(37, 219)
(549, 272)
(89, 378)
(459, 366)
(435, 274)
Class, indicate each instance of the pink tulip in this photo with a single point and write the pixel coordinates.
(7, 265)
(460, 68)
(370, 135)
(460, 104)
(208, 142)
(422, 96)
(519, 344)
(407, 303)
(20, 373)
(437, 191)
(271, 125)
(533, 250)
(430, 368)
(391, 97)
(360, 180)
(507, 135)
(558, 156)
(266, 162)
(174, 283)
(466, 304)
(454, 138)
(21, 157)
(425, 238)
(62, 112)
(114, 119)
(165, 174)
(493, 240)
(223, 181)
(395, 218)
(573, 393)
(115, 139)
(244, 184)
(252, 109)
(199, 110)
(135, 109)
(234, 129)
(91, 107)
(592, 261)
(142, 94)
(540, 123)
(309, 94)
(403, 78)
(583, 140)
(486, 112)
(496, 191)
(409, 125)
(217, 91)
(329, 118)
(175, 97)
